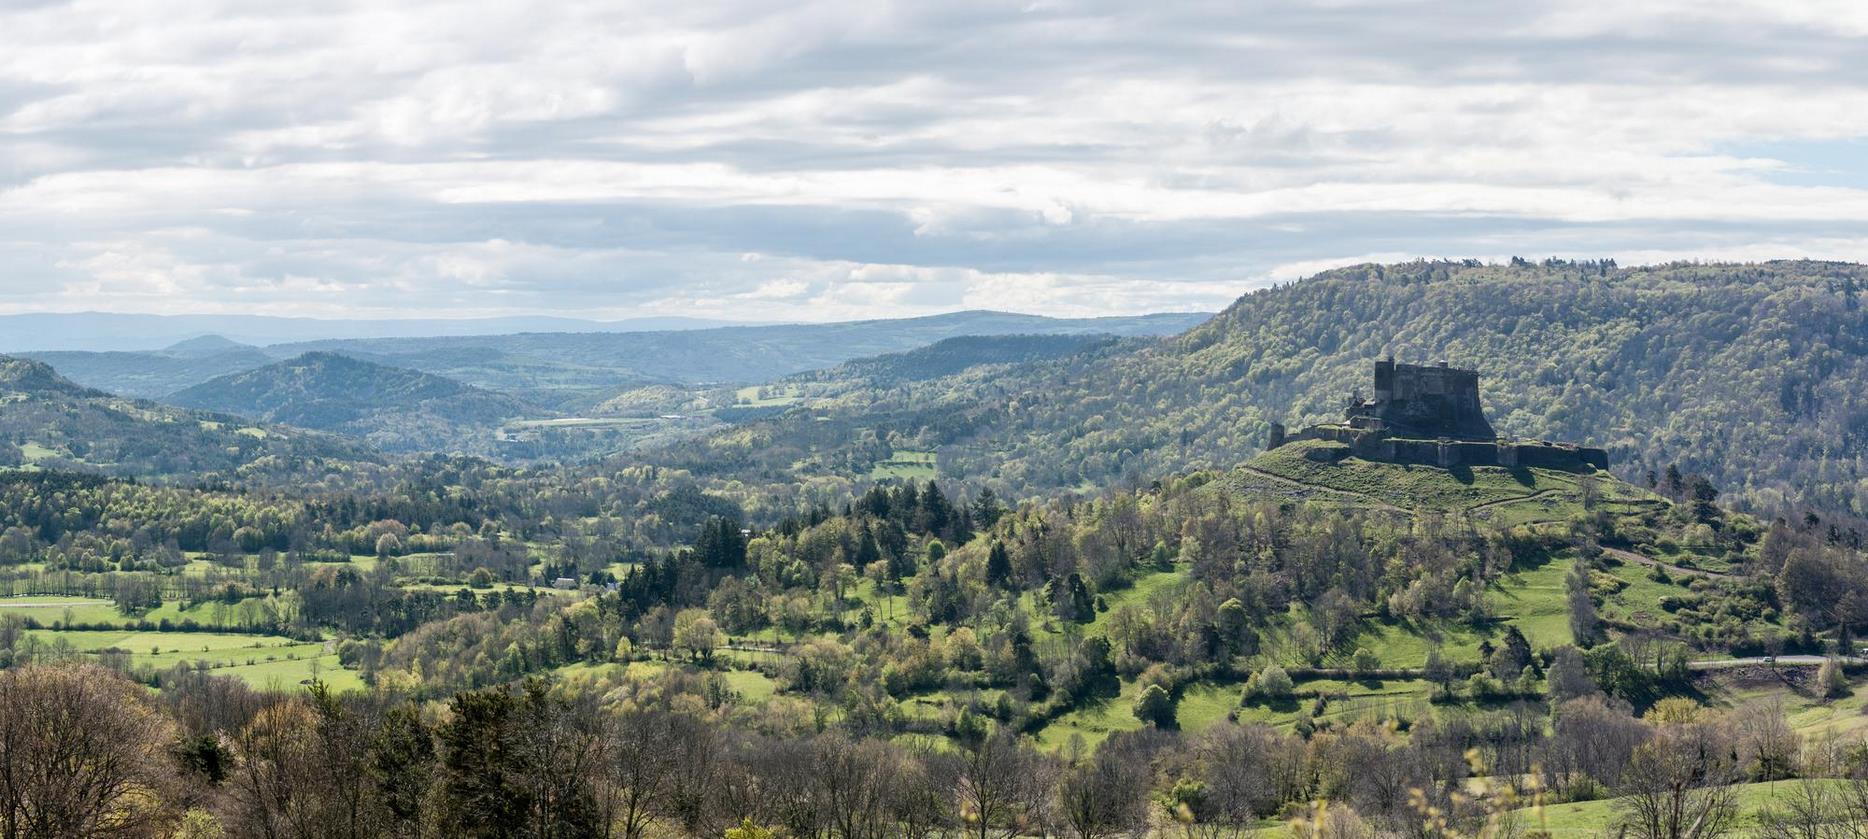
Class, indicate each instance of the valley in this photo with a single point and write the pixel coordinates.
(1075, 553)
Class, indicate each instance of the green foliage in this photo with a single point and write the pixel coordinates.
(1155, 706)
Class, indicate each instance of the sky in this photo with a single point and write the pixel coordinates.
(827, 160)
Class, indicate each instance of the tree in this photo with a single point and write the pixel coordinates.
(696, 634)
(996, 780)
(518, 763)
(1569, 676)
(1585, 624)
(639, 771)
(83, 752)
(987, 509)
(1270, 683)
(1104, 796)
(1439, 672)
(1830, 679)
(1679, 785)
(721, 544)
(998, 565)
(1155, 707)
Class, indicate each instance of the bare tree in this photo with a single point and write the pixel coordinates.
(1104, 795)
(83, 752)
(995, 786)
(1679, 785)
(1810, 810)
(638, 774)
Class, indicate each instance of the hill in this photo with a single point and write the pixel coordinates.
(156, 373)
(579, 371)
(952, 355)
(576, 371)
(49, 422)
(393, 408)
(1748, 374)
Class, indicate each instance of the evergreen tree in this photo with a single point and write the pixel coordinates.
(998, 565)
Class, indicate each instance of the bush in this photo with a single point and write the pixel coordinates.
(1155, 707)
(1269, 683)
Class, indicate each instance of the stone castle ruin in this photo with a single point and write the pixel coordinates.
(1431, 415)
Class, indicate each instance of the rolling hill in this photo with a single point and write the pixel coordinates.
(49, 422)
(953, 355)
(575, 372)
(1749, 374)
(153, 374)
(392, 408)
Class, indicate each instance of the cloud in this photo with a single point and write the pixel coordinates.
(855, 158)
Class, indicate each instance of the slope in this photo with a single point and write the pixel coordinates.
(393, 408)
(1748, 374)
(49, 422)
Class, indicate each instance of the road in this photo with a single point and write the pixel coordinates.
(1782, 661)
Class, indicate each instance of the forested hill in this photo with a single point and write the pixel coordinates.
(48, 422)
(396, 409)
(954, 355)
(1750, 374)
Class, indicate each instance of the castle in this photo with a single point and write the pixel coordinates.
(1432, 416)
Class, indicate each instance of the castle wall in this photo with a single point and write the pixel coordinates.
(1447, 453)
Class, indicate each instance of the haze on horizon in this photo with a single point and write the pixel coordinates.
(828, 160)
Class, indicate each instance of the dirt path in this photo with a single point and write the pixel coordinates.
(1631, 556)
(1532, 497)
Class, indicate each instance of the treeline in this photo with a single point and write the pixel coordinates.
(86, 523)
(88, 753)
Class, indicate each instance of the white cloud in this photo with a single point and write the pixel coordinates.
(882, 157)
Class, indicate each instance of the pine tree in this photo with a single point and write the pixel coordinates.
(998, 566)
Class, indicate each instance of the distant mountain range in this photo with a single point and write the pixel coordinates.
(113, 332)
(573, 372)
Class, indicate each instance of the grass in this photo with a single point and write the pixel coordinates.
(749, 396)
(1503, 495)
(906, 464)
(1596, 818)
(34, 452)
(1536, 599)
(263, 661)
(1094, 721)
(1640, 600)
(1810, 716)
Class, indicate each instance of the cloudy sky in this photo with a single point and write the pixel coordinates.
(825, 160)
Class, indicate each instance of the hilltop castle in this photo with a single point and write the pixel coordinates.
(1432, 416)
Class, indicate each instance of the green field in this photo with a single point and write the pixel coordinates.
(1536, 600)
(263, 661)
(1596, 818)
(906, 463)
(776, 395)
